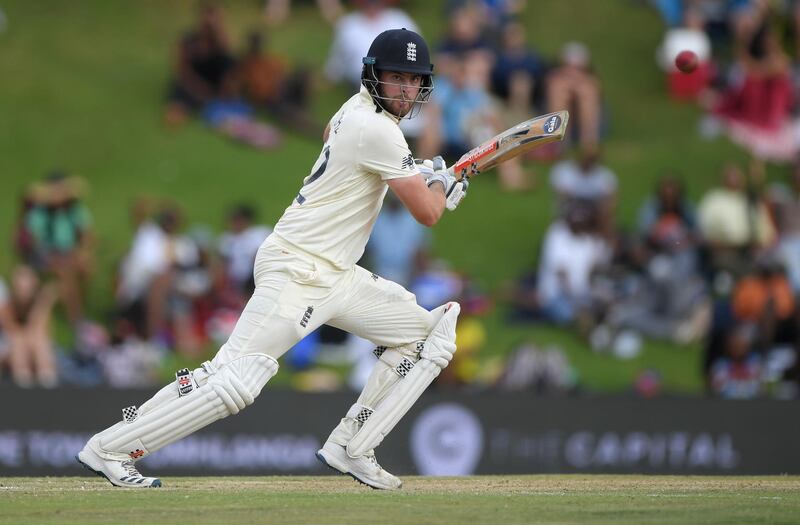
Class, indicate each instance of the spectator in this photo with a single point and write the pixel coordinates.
(203, 67)
(140, 266)
(733, 222)
(517, 65)
(353, 35)
(58, 226)
(764, 297)
(162, 275)
(543, 371)
(756, 110)
(586, 179)
(574, 86)
(269, 83)
(496, 14)
(26, 324)
(669, 299)
(398, 245)
(666, 301)
(737, 374)
(571, 251)
(465, 46)
(786, 210)
(460, 116)
(277, 11)
(668, 223)
(7, 325)
(238, 247)
(692, 37)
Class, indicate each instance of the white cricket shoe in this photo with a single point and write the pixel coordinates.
(364, 469)
(119, 473)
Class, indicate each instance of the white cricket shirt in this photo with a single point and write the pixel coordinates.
(333, 214)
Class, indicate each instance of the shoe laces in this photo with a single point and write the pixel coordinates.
(130, 468)
(372, 459)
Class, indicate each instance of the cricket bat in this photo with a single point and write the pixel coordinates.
(512, 142)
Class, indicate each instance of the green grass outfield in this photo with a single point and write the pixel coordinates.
(482, 499)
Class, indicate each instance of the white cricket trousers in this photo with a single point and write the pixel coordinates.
(297, 292)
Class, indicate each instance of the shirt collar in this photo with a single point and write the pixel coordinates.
(367, 98)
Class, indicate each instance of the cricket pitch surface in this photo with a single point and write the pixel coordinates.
(498, 500)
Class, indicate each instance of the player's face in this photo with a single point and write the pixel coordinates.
(400, 90)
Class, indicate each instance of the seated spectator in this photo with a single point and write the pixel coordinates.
(57, 225)
(465, 45)
(460, 116)
(202, 67)
(756, 110)
(543, 371)
(269, 83)
(668, 223)
(733, 222)
(354, 33)
(497, 14)
(571, 251)
(25, 314)
(160, 277)
(574, 86)
(764, 297)
(737, 374)
(7, 326)
(277, 11)
(207, 82)
(516, 65)
(692, 37)
(142, 263)
(398, 245)
(667, 300)
(785, 204)
(238, 247)
(586, 179)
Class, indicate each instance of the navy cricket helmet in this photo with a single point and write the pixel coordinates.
(399, 50)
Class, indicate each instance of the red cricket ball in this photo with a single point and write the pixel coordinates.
(686, 61)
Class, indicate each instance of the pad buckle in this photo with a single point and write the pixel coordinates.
(404, 367)
(364, 414)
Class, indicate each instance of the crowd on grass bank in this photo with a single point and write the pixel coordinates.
(722, 272)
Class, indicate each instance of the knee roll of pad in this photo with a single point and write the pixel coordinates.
(239, 382)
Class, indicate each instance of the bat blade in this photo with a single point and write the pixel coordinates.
(512, 142)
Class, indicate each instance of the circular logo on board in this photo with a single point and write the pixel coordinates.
(446, 440)
(552, 124)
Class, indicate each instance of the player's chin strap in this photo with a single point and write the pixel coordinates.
(435, 355)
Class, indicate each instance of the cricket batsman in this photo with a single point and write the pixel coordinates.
(306, 275)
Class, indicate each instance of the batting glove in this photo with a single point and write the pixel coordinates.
(435, 170)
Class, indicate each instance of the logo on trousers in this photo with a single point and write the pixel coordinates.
(306, 316)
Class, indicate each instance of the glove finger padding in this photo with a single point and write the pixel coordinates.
(456, 194)
(425, 168)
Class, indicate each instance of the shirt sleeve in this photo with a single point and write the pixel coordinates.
(386, 153)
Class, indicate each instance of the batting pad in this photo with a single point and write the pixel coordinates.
(225, 392)
(406, 392)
